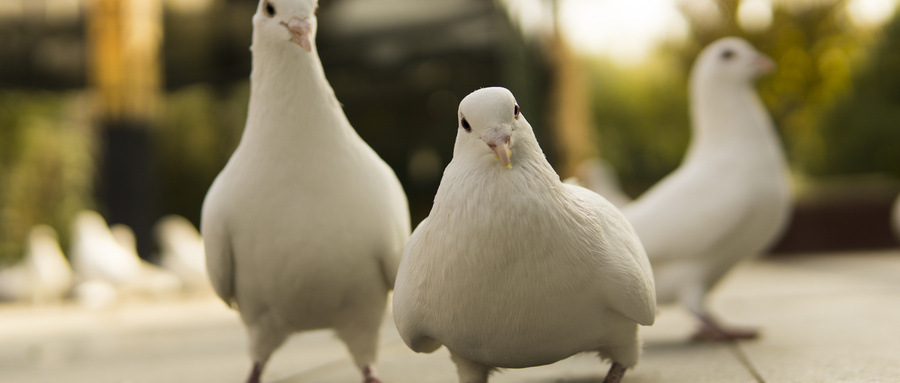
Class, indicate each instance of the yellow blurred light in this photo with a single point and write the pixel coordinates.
(11, 9)
(755, 15)
(624, 30)
(871, 12)
(188, 6)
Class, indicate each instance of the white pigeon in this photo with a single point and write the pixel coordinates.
(182, 250)
(513, 268)
(49, 268)
(43, 275)
(729, 199)
(96, 255)
(151, 281)
(305, 225)
(600, 177)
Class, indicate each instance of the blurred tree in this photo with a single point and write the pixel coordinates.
(861, 134)
(816, 48)
(124, 38)
(641, 118)
(200, 129)
(46, 170)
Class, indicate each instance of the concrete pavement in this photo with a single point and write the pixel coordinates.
(825, 318)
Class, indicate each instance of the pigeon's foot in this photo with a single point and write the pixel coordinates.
(470, 371)
(369, 375)
(615, 374)
(255, 373)
(710, 331)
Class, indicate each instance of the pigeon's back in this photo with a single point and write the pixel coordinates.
(710, 210)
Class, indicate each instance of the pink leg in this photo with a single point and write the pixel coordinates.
(369, 375)
(255, 373)
(615, 374)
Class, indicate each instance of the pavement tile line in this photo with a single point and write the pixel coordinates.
(739, 353)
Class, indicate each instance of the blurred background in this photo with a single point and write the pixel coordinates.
(131, 107)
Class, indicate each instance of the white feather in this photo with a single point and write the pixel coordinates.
(730, 198)
(305, 225)
(513, 268)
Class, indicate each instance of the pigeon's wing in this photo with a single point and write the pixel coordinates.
(686, 215)
(407, 300)
(219, 257)
(626, 278)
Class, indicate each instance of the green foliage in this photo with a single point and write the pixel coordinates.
(200, 130)
(46, 168)
(641, 119)
(861, 133)
(641, 113)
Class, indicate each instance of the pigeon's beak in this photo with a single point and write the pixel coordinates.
(300, 30)
(497, 138)
(764, 64)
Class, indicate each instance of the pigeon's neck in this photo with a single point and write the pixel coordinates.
(291, 101)
(729, 119)
(474, 180)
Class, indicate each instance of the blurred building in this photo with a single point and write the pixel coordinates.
(399, 67)
(42, 44)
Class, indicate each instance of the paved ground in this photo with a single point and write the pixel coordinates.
(826, 318)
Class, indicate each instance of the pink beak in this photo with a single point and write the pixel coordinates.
(498, 140)
(300, 32)
(765, 65)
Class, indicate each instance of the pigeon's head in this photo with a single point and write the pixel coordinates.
(488, 121)
(124, 236)
(42, 242)
(42, 233)
(290, 21)
(173, 228)
(42, 237)
(732, 59)
(89, 223)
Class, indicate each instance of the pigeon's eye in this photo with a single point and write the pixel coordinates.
(269, 9)
(727, 54)
(465, 125)
(516, 112)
